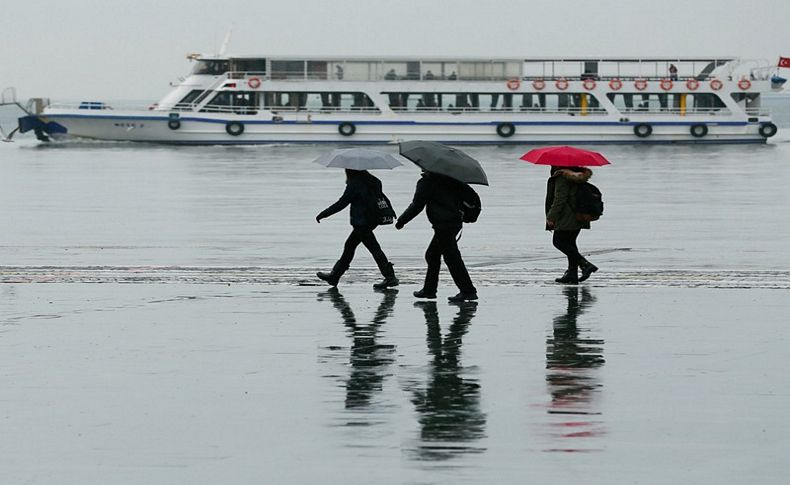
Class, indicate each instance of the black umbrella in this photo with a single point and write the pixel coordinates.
(437, 158)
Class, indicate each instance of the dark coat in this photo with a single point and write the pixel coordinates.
(561, 191)
(361, 193)
(441, 198)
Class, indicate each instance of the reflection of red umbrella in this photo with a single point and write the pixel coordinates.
(564, 157)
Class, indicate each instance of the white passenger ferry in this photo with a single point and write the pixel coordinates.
(260, 100)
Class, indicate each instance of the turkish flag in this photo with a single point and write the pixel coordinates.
(784, 62)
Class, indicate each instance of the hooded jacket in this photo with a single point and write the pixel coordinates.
(561, 191)
(361, 193)
(440, 196)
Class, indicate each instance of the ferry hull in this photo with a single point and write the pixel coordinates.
(151, 127)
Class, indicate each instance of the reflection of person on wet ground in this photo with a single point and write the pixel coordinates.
(362, 191)
(570, 359)
(449, 407)
(561, 189)
(369, 360)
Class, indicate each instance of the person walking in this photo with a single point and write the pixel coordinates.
(561, 190)
(362, 193)
(441, 196)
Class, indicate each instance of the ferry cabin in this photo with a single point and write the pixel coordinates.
(285, 100)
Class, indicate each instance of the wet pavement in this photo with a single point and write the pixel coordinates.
(160, 323)
(188, 383)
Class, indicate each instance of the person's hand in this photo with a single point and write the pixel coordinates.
(399, 225)
(549, 225)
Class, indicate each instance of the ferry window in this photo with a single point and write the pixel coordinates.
(565, 102)
(394, 70)
(257, 66)
(325, 101)
(191, 97)
(233, 101)
(704, 102)
(288, 69)
(750, 101)
(212, 67)
(317, 70)
(653, 102)
(488, 70)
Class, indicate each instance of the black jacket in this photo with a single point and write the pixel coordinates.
(361, 192)
(441, 196)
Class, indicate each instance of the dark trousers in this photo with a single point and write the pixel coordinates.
(565, 241)
(364, 235)
(444, 245)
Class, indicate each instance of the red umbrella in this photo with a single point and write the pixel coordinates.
(564, 156)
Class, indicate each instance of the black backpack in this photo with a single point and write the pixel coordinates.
(470, 203)
(589, 202)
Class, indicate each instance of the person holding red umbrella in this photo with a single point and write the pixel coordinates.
(568, 172)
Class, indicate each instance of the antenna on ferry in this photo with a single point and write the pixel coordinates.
(225, 42)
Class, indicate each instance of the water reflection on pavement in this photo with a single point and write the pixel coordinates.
(572, 360)
(448, 404)
(369, 360)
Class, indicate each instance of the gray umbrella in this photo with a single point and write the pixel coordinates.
(358, 159)
(437, 158)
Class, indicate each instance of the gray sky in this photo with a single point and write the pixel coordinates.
(132, 49)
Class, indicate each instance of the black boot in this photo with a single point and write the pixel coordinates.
(587, 269)
(389, 278)
(423, 293)
(333, 277)
(571, 277)
(460, 297)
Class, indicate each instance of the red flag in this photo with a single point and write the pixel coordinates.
(784, 62)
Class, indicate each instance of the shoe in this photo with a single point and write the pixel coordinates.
(389, 278)
(587, 269)
(333, 277)
(570, 277)
(425, 294)
(462, 297)
(329, 278)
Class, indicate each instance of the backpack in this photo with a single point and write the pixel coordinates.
(589, 203)
(381, 210)
(470, 203)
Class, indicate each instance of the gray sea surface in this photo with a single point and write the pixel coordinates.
(160, 323)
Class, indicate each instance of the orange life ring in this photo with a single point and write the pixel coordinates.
(589, 84)
(666, 84)
(716, 84)
(513, 84)
(562, 84)
(744, 84)
(538, 84)
(254, 83)
(692, 84)
(615, 84)
(640, 84)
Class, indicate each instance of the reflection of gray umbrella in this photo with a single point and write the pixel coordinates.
(437, 158)
(358, 159)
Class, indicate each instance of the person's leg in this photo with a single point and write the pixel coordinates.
(387, 271)
(454, 261)
(586, 267)
(433, 257)
(369, 240)
(565, 241)
(342, 264)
